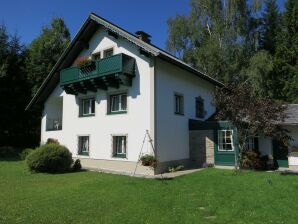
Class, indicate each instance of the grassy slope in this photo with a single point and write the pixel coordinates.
(208, 196)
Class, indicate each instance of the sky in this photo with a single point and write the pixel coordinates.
(26, 17)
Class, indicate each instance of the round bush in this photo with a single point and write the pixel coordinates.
(50, 158)
(26, 152)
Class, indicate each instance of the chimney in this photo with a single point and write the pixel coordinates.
(143, 36)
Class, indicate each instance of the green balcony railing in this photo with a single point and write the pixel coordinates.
(120, 64)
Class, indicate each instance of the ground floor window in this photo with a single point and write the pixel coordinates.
(119, 146)
(225, 140)
(83, 146)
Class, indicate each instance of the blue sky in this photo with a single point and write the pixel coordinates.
(26, 17)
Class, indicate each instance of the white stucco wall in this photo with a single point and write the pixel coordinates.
(101, 127)
(172, 132)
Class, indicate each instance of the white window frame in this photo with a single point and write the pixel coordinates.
(123, 153)
(90, 106)
(180, 104)
(79, 151)
(120, 95)
(219, 139)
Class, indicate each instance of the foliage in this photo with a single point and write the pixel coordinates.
(214, 37)
(49, 158)
(45, 50)
(235, 41)
(252, 115)
(173, 169)
(82, 61)
(251, 159)
(148, 160)
(8, 152)
(26, 152)
(77, 165)
(52, 141)
(14, 93)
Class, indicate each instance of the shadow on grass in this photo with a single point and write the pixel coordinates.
(60, 172)
(11, 159)
(285, 173)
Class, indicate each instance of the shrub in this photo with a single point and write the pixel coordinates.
(52, 141)
(250, 159)
(149, 160)
(25, 153)
(50, 158)
(77, 165)
(7, 152)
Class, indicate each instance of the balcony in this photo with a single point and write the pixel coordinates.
(100, 74)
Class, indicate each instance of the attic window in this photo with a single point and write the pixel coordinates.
(108, 52)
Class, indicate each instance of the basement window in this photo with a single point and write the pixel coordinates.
(87, 107)
(119, 146)
(225, 140)
(83, 145)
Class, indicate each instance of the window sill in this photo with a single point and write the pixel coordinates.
(225, 152)
(87, 115)
(120, 156)
(117, 112)
(83, 154)
(179, 114)
(54, 129)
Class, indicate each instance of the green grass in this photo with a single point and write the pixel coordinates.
(208, 196)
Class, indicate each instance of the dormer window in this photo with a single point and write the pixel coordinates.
(96, 56)
(108, 52)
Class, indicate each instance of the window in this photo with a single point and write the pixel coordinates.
(200, 110)
(83, 146)
(252, 143)
(96, 56)
(118, 103)
(119, 146)
(87, 107)
(179, 107)
(225, 140)
(107, 53)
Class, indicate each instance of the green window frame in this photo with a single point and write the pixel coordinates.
(225, 141)
(118, 103)
(87, 107)
(83, 145)
(178, 104)
(119, 146)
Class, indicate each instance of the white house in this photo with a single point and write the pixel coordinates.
(101, 111)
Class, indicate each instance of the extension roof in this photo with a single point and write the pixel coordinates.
(80, 42)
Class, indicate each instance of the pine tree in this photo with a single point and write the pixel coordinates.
(270, 27)
(45, 50)
(286, 57)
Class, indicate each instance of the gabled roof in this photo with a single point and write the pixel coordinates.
(80, 41)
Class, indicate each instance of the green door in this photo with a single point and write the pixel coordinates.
(280, 154)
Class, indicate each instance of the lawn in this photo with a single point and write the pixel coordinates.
(208, 196)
